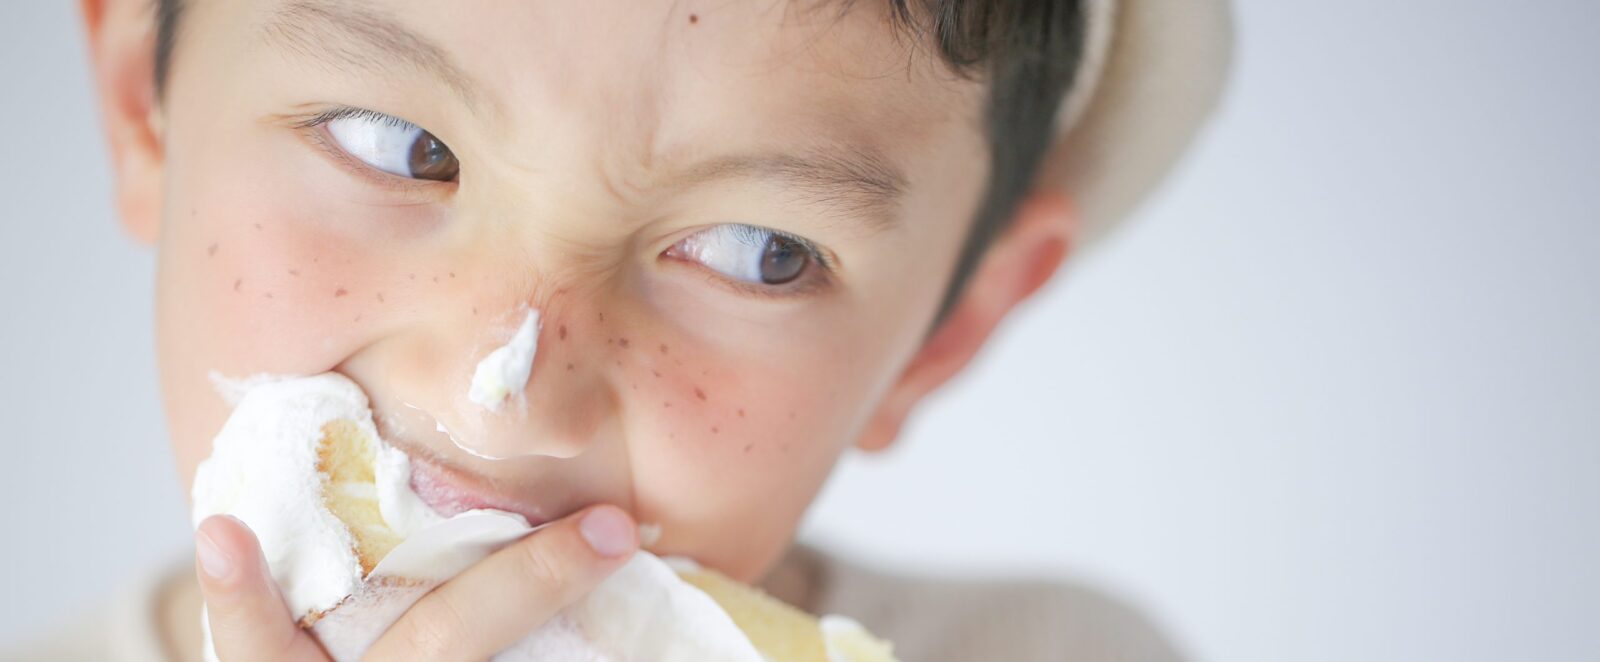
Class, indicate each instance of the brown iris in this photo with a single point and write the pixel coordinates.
(783, 260)
(431, 159)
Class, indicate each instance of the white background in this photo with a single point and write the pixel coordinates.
(1333, 397)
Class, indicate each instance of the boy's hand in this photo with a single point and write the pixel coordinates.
(480, 612)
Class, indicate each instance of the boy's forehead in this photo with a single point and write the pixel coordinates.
(658, 76)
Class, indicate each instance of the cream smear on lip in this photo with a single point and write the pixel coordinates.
(505, 371)
(438, 426)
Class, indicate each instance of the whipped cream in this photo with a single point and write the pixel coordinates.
(263, 470)
(232, 389)
(505, 371)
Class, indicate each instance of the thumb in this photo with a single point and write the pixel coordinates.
(244, 609)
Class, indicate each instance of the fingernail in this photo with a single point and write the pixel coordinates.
(607, 531)
(213, 561)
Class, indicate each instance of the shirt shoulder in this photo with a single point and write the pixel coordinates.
(123, 628)
(933, 619)
(85, 639)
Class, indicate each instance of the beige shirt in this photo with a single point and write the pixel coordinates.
(929, 620)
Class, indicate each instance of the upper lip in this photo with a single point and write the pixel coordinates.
(449, 488)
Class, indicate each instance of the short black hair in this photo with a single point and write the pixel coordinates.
(1027, 51)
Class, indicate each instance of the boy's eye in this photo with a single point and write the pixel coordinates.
(749, 254)
(393, 145)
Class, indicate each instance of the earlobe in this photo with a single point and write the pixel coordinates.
(1021, 261)
(121, 39)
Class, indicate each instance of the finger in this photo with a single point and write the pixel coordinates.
(244, 608)
(498, 601)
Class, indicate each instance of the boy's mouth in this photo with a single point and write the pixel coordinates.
(450, 489)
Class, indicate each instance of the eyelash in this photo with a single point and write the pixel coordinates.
(748, 232)
(312, 127)
(806, 285)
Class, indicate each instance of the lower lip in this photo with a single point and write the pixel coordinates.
(449, 495)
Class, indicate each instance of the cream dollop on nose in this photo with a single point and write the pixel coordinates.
(505, 371)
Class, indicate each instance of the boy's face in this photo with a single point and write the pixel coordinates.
(651, 176)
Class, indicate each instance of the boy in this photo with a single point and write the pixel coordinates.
(756, 234)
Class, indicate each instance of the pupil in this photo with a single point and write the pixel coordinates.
(431, 159)
(783, 260)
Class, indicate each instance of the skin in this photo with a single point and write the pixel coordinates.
(661, 387)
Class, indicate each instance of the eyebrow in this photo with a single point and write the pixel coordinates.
(341, 36)
(852, 180)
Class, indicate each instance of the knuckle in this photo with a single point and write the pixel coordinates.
(433, 633)
(283, 646)
(541, 568)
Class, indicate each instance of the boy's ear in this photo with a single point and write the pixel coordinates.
(1021, 260)
(121, 39)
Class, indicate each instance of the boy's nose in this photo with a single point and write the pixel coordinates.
(521, 387)
(507, 379)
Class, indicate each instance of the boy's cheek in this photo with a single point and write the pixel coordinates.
(287, 278)
(274, 300)
(252, 281)
(729, 476)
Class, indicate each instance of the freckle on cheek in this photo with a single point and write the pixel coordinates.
(380, 297)
(741, 412)
(663, 349)
(700, 393)
(294, 272)
(562, 332)
(211, 251)
(237, 282)
(339, 293)
(623, 342)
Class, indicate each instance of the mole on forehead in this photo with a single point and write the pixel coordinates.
(854, 180)
(836, 37)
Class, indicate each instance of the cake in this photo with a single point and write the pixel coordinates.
(352, 547)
